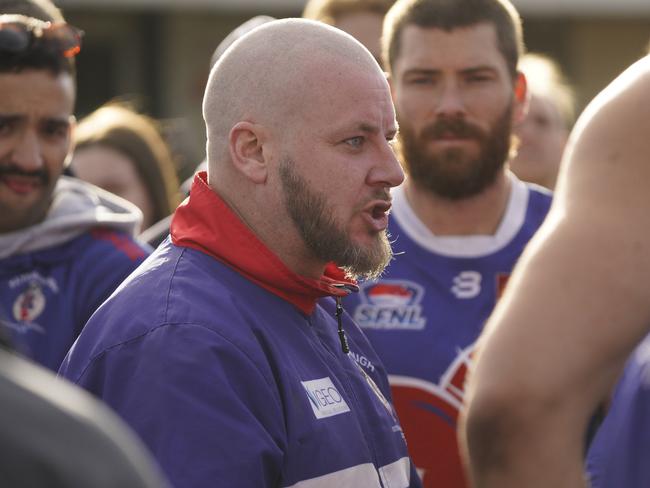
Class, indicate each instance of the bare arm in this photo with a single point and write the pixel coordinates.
(577, 304)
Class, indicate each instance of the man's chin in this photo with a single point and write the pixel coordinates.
(21, 211)
(370, 241)
(369, 258)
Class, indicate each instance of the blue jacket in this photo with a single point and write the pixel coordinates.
(229, 366)
(55, 274)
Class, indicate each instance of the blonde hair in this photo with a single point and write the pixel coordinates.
(329, 11)
(545, 78)
(118, 126)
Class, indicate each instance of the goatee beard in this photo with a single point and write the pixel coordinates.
(322, 235)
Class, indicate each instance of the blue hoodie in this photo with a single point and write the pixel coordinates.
(54, 275)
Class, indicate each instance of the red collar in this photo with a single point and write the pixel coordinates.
(205, 222)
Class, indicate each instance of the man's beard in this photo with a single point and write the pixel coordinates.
(322, 235)
(450, 173)
(14, 217)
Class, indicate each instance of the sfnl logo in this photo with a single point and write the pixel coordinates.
(324, 398)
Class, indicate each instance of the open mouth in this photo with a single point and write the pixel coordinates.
(378, 215)
(380, 210)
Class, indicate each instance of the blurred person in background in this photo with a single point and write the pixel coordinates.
(362, 19)
(52, 434)
(64, 245)
(545, 129)
(123, 152)
(460, 220)
(55, 435)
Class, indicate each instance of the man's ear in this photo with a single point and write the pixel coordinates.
(246, 142)
(72, 125)
(522, 98)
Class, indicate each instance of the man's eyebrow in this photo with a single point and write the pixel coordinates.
(421, 72)
(373, 129)
(479, 69)
(57, 120)
(60, 121)
(11, 117)
(435, 71)
(369, 128)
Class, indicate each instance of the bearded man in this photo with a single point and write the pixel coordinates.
(460, 220)
(227, 352)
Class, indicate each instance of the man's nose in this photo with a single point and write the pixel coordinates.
(388, 173)
(27, 153)
(450, 102)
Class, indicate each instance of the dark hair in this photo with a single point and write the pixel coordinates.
(452, 14)
(43, 52)
(136, 136)
(329, 11)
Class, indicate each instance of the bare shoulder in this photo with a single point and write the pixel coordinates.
(607, 159)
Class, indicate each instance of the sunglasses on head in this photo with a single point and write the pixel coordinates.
(19, 33)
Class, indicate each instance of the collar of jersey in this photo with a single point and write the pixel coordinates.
(205, 222)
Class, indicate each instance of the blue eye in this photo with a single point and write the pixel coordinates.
(355, 142)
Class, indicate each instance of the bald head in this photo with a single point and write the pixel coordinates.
(269, 77)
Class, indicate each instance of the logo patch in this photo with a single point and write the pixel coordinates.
(362, 361)
(390, 304)
(29, 304)
(34, 277)
(324, 398)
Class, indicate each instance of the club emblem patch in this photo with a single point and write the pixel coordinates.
(29, 304)
(390, 304)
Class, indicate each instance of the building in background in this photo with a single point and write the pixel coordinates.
(158, 51)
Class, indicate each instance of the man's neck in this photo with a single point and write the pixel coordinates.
(479, 214)
(279, 234)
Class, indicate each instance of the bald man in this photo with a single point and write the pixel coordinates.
(575, 307)
(228, 352)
